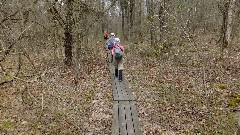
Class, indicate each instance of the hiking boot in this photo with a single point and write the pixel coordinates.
(120, 75)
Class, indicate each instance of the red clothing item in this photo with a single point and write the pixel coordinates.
(105, 35)
(117, 46)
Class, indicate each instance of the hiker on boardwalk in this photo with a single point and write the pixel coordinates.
(117, 53)
(105, 35)
(111, 41)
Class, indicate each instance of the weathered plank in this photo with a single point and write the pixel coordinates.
(125, 118)
(109, 56)
(129, 118)
(126, 91)
(115, 123)
(137, 129)
(119, 91)
(115, 91)
(122, 118)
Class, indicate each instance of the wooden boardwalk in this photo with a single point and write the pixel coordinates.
(125, 115)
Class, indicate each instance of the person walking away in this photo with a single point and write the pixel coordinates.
(105, 36)
(110, 43)
(118, 53)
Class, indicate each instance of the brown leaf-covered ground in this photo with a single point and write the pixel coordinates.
(183, 91)
(172, 92)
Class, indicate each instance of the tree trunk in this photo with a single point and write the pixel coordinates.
(231, 5)
(161, 18)
(123, 17)
(68, 33)
(140, 22)
(150, 10)
(131, 31)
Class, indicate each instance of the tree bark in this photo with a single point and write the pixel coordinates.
(229, 22)
(150, 10)
(68, 33)
(132, 3)
(123, 9)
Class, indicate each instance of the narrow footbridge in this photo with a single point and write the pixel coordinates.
(125, 115)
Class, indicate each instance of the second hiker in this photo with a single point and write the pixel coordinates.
(110, 43)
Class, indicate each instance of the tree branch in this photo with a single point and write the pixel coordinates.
(8, 17)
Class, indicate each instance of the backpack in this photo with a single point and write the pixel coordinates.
(118, 54)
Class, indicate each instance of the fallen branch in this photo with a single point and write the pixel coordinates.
(9, 17)
(13, 77)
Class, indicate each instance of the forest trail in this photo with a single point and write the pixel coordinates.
(125, 116)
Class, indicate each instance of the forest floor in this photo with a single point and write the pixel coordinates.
(185, 91)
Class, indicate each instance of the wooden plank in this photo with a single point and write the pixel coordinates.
(129, 118)
(124, 94)
(119, 91)
(115, 122)
(136, 123)
(112, 69)
(115, 92)
(122, 118)
(128, 92)
(126, 84)
(109, 57)
(125, 118)
(125, 91)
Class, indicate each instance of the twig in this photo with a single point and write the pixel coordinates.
(7, 51)
(97, 19)
(186, 33)
(206, 92)
(9, 17)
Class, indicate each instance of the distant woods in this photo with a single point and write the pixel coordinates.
(72, 25)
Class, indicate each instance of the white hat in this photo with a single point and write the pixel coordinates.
(112, 34)
(117, 40)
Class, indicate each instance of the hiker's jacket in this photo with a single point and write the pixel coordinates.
(111, 42)
(105, 35)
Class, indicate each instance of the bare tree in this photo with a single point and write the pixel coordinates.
(68, 33)
(231, 5)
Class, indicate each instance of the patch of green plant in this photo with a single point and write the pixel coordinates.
(234, 102)
(6, 78)
(227, 123)
(126, 50)
(231, 95)
(90, 96)
(146, 53)
(58, 113)
(6, 125)
(220, 86)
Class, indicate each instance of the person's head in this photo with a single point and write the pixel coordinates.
(117, 41)
(112, 35)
